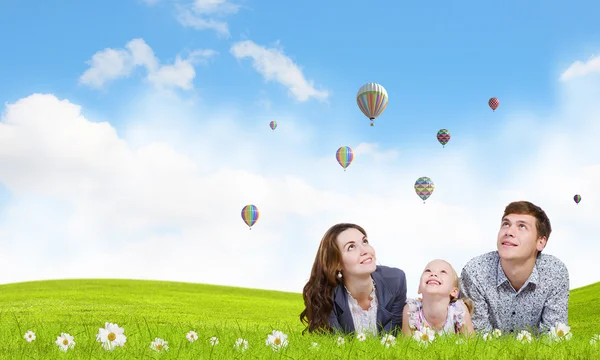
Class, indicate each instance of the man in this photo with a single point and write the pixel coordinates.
(517, 287)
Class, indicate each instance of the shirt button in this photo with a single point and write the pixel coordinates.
(514, 312)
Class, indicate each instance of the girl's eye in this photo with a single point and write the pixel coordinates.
(444, 271)
(350, 247)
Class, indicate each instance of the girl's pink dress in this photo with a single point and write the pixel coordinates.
(454, 321)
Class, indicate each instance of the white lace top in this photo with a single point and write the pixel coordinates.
(365, 321)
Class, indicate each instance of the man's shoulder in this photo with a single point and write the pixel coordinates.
(482, 263)
(550, 264)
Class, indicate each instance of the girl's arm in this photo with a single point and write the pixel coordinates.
(406, 330)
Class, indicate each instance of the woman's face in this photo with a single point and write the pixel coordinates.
(358, 256)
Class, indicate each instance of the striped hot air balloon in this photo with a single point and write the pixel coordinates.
(372, 99)
(424, 187)
(577, 198)
(443, 136)
(250, 215)
(344, 156)
(494, 103)
(273, 125)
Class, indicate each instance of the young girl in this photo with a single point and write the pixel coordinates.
(439, 309)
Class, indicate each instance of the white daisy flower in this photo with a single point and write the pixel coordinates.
(241, 344)
(277, 340)
(361, 337)
(159, 345)
(111, 336)
(595, 340)
(497, 332)
(425, 336)
(314, 346)
(560, 332)
(191, 336)
(388, 340)
(460, 341)
(340, 341)
(524, 336)
(29, 336)
(487, 336)
(214, 340)
(64, 342)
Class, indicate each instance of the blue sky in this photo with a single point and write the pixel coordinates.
(192, 131)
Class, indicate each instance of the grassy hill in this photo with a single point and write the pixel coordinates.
(150, 309)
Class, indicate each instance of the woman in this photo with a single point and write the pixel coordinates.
(347, 291)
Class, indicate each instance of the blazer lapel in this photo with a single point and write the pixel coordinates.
(383, 299)
(341, 301)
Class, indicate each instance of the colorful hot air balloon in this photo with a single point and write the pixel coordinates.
(494, 103)
(344, 156)
(372, 100)
(577, 198)
(443, 136)
(273, 125)
(250, 215)
(424, 187)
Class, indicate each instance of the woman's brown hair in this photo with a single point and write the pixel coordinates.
(318, 291)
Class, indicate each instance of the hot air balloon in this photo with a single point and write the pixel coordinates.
(494, 103)
(344, 156)
(443, 136)
(273, 125)
(372, 100)
(250, 215)
(577, 198)
(424, 187)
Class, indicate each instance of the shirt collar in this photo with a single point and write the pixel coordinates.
(501, 276)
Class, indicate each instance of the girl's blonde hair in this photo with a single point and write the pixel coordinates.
(467, 301)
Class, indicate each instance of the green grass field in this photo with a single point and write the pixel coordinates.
(169, 310)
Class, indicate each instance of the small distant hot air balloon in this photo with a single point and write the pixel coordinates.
(424, 187)
(494, 103)
(250, 215)
(443, 136)
(344, 156)
(577, 198)
(372, 99)
(273, 125)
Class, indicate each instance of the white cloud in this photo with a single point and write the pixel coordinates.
(215, 7)
(200, 15)
(274, 65)
(580, 69)
(162, 199)
(111, 64)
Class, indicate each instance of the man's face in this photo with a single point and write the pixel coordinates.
(518, 239)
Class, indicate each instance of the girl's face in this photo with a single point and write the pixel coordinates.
(438, 278)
